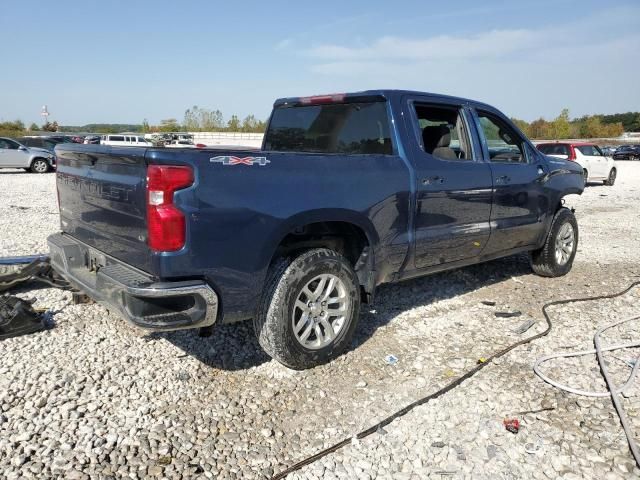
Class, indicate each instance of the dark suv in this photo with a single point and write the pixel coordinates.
(627, 152)
(48, 143)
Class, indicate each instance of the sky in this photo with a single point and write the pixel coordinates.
(122, 62)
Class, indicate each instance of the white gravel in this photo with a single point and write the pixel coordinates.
(96, 398)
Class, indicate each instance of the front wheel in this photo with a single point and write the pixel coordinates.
(39, 165)
(611, 179)
(309, 310)
(556, 257)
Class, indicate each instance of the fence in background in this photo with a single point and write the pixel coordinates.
(232, 139)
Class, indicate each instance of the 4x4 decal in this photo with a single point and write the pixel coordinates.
(231, 160)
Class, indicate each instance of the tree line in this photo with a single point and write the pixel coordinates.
(588, 126)
(198, 119)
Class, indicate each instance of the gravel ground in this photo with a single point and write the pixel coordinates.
(96, 398)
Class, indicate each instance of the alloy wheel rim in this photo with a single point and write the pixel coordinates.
(565, 241)
(320, 311)
(40, 166)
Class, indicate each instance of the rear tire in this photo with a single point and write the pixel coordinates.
(39, 165)
(303, 330)
(611, 179)
(555, 258)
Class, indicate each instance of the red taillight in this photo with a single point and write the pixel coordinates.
(323, 99)
(200, 145)
(166, 224)
(572, 153)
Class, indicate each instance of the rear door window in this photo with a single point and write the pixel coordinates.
(116, 138)
(587, 150)
(558, 149)
(348, 128)
(443, 132)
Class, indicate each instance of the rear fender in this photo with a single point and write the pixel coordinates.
(316, 216)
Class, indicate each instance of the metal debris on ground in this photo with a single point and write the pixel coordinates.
(391, 359)
(37, 268)
(512, 425)
(489, 303)
(524, 326)
(18, 317)
(517, 313)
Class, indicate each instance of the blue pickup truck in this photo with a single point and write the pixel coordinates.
(349, 191)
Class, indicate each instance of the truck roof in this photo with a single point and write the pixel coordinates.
(369, 94)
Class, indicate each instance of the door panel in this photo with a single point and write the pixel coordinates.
(519, 202)
(453, 194)
(10, 156)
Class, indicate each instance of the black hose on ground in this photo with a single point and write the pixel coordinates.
(450, 386)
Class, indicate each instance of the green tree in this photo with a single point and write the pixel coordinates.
(33, 127)
(15, 126)
(249, 124)
(560, 127)
(198, 119)
(169, 125)
(145, 126)
(523, 126)
(50, 127)
(233, 125)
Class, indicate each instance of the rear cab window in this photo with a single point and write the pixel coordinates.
(354, 128)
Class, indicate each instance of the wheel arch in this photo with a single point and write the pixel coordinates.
(348, 232)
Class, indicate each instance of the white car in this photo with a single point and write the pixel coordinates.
(16, 155)
(595, 164)
(125, 140)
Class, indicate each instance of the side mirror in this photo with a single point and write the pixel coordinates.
(23, 148)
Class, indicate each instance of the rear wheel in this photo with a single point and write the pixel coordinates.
(611, 179)
(309, 310)
(39, 165)
(556, 257)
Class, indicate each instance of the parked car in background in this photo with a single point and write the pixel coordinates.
(91, 140)
(46, 143)
(627, 152)
(595, 164)
(16, 155)
(122, 140)
(608, 150)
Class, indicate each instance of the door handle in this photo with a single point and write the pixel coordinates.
(503, 179)
(433, 180)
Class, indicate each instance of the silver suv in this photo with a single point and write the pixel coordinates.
(16, 155)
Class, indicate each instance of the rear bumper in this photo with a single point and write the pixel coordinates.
(134, 294)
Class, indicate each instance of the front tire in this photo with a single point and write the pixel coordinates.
(555, 258)
(611, 179)
(39, 165)
(309, 309)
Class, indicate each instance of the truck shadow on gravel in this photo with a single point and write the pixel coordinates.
(235, 347)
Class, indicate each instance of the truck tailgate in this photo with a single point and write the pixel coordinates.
(102, 198)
